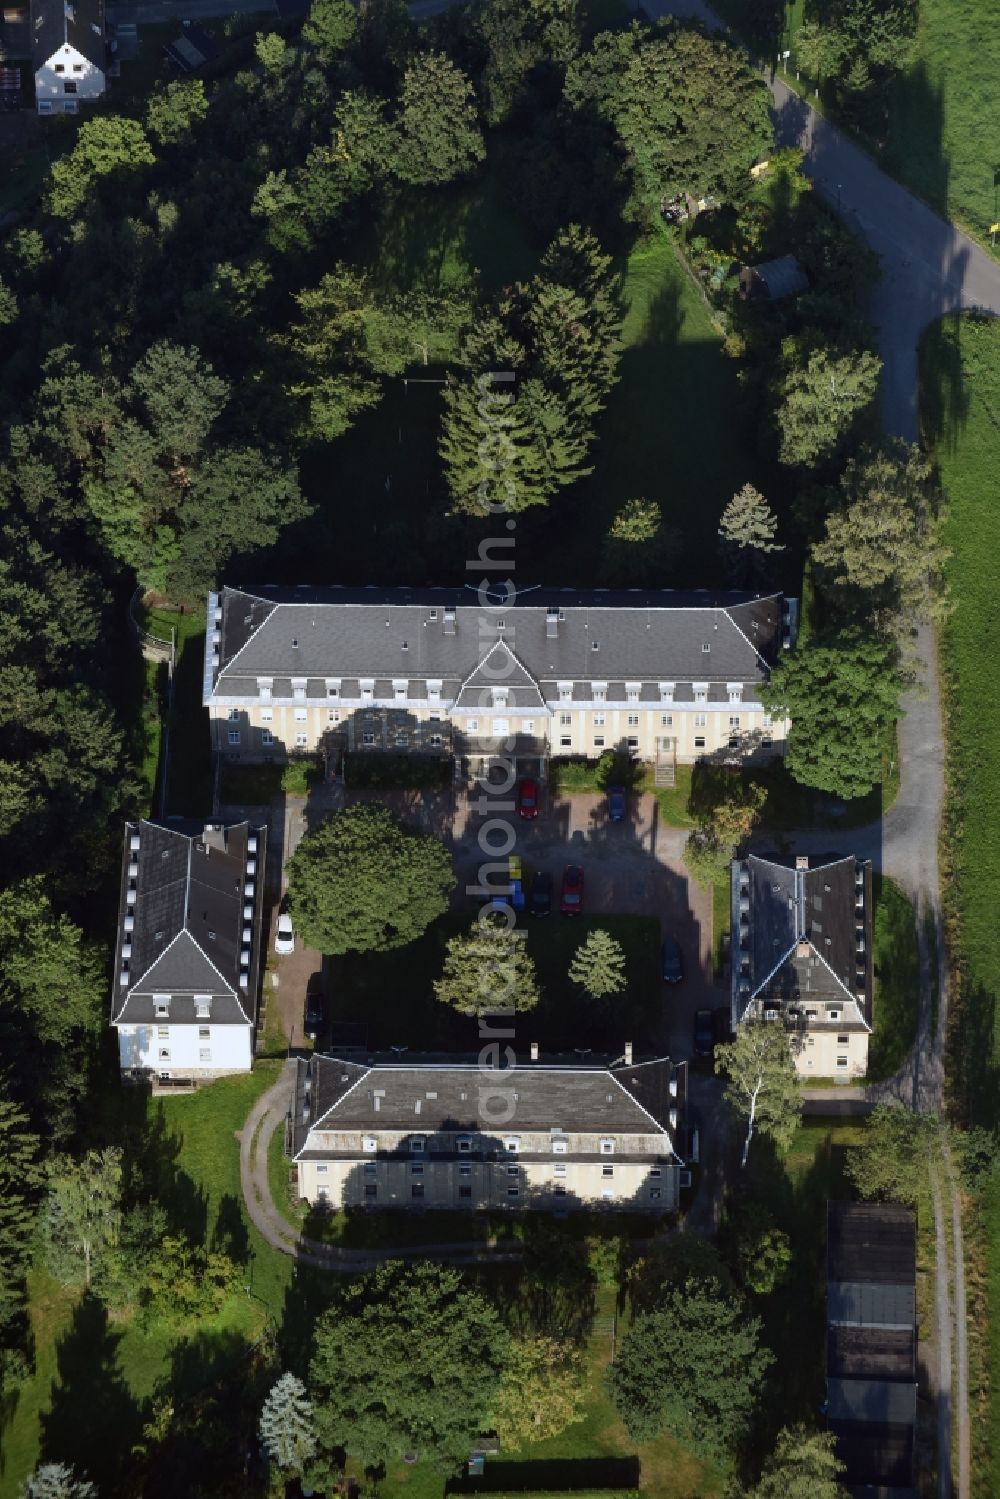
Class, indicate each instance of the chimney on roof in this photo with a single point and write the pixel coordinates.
(449, 621)
(552, 621)
(801, 861)
(628, 1053)
(534, 1051)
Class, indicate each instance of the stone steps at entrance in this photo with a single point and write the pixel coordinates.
(664, 774)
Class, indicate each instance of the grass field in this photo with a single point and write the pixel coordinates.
(897, 980)
(392, 995)
(960, 401)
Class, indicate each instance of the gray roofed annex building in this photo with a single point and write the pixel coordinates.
(802, 957)
(871, 1347)
(671, 677)
(188, 952)
(429, 1133)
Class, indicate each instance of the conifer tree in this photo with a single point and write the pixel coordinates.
(287, 1431)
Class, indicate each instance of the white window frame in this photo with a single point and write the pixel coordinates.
(299, 685)
(501, 728)
(699, 720)
(565, 690)
(560, 1147)
(632, 720)
(734, 691)
(400, 689)
(233, 736)
(607, 1147)
(301, 715)
(600, 692)
(632, 691)
(527, 725)
(599, 720)
(434, 690)
(301, 741)
(333, 687)
(700, 692)
(265, 686)
(367, 688)
(667, 690)
(267, 715)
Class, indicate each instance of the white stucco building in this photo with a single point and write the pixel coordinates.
(419, 1134)
(68, 53)
(188, 953)
(670, 677)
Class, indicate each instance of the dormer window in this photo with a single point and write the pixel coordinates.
(701, 692)
(559, 1147)
(369, 1143)
(417, 1145)
(400, 689)
(202, 1006)
(367, 689)
(607, 1147)
(299, 689)
(264, 688)
(500, 696)
(735, 691)
(565, 692)
(667, 692)
(434, 691)
(512, 1144)
(600, 690)
(632, 690)
(333, 687)
(161, 1006)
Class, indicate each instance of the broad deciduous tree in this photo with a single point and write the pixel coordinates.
(541, 1392)
(803, 1465)
(488, 969)
(821, 396)
(439, 132)
(410, 1359)
(361, 882)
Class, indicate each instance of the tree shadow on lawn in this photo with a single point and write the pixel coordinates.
(152, 1157)
(93, 1422)
(794, 1314)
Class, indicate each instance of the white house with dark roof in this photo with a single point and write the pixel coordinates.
(68, 53)
(548, 1135)
(188, 955)
(802, 957)
(671, 677)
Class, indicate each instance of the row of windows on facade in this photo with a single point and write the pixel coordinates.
(558, 1170)
(500, 695)
(501, 728)
(465, 1192)
(512, 1144)
(202, 1006)
(598, 720)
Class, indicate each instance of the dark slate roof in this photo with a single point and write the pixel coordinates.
(186, 901)
(887, 1402)
(645, 636)
(874, 1242)
(783, 277)
(871, 1353)
(857, 1304)
(798, 941)
(875, 1452)
(78, 22)
(336, 1094)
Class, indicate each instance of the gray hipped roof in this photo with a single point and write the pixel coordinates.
(444, 634)
(424, 1098)
(803, 935)
(78, 22)
(182, 922)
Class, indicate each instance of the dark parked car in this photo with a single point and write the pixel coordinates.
(315, 1013)
(704, 1034)
(527, 799)
(616, 803)
(571, 895)
(672, 961)
(541, 894)
(722, 1025)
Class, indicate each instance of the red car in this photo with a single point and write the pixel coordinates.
(571, 894)
(527, 799)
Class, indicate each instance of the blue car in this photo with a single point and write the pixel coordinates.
(616, 803)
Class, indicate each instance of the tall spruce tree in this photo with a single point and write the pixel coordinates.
(288, 1426)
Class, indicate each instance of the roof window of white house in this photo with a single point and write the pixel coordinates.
(434, 691)
(607, 1147)
(700, 692)
(565, 691)
(735, 691)
(500, 696)
(559, 1147)
(400, 689)
(369, 1143)
(333, 686)
(298, 688)
(264, 686)
(202, 1006)
(632, 690)
(417, 1144)
(161, 1006)
(667, 692)
(512, 1144)
(600, 691)
(367, 685)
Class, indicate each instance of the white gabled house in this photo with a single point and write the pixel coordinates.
(188, 955)
(68, 53)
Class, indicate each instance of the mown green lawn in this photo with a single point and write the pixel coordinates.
(897, 980)
(960, 407)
